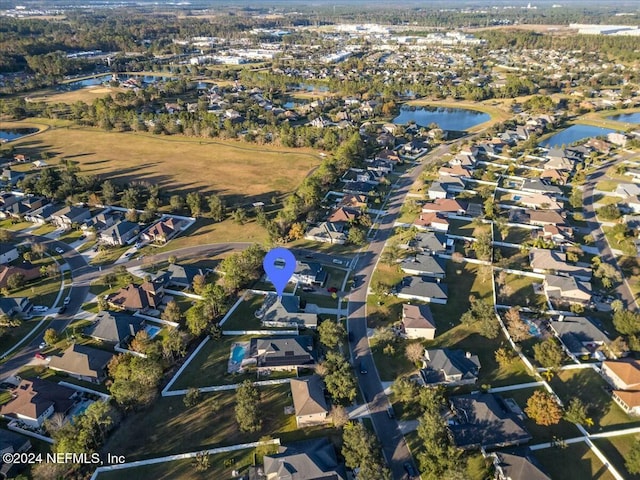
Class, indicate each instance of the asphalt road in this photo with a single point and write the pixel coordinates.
(393, 443)
(606, 255)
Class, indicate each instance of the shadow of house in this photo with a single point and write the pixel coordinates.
(485, 421)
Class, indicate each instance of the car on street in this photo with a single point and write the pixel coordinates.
(410, 469)
(308, 289)
(332, 289)
(62, 309)
(42, 345)
(351, 336)
(59, 250)
(66, 301)
(363, 368)
(336, 261)
(40, 356)
(40, 308)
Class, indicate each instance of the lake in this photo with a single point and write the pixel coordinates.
(87, 82)
(626, 117)
(457, 119)
(573, 134)
(7, 134)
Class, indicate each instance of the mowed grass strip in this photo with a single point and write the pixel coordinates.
(242, 172)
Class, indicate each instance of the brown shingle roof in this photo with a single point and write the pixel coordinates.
(417, 316)
(626, 370)
(82, 360)
(308, 396)
(33, 397)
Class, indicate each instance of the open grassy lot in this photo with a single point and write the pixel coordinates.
(616, 450)
(168, 427)
(13, 335)
(86, 95)
(177, 163)
(467, 229)
(514, 235)
(575, 462)
(607, 185)
(590, 388)
(626, 244)
(43, 290)
(243, 317)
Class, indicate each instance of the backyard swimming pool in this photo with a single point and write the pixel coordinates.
(237, 354)
(152, 330)
(533, 328)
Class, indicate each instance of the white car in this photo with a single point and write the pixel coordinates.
(42, 345)
(40, 308)
(59, 250)
(66, 301)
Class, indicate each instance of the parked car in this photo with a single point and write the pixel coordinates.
(410, 469)
(62, 309)
(40, 356)
(308, 289)
(391, 413)
(40, 308)
(351, 336)
(336, 261)
(66, 301)
(59, 250)
(42, 345)
(332, 289)
(363, 368)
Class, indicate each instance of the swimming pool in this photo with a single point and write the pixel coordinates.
(237, 354)
(533, 328)
(152, 330)
(78, 410)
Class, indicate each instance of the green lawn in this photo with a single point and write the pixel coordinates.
(520, 292)
(575, 462)
(71, 236)
(625, 244)
(221, 466)
(13, 335)
(391, 365)
(168, 427)
(323, 301)
(41, 291)
(607, 185)
(100, 287)
(467, 229)
(109, 256)
(514, 235)
(616, 449)
(590, 388)
(44, 229)
(14, 225)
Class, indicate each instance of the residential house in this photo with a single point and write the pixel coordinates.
(545, 217)
(535, 185)
(558, 234)
(308, 401)
(579, 335)
(445, 207)
(344, 215)
(8, 252)
(120, 233)
(430, 242)
(67, 216)
(163, 231)
(282, 353)
(12, 442)
(417, 322)
(10, 306)
(445, 186)
(82, 362)
(536, 201)
(425, 265)
(629, 401)
(634, 173)
(326, 232)
(12, 176)
(286, 312)
(424, 290)
(388, 155)
(454, 171)
(353, 201)
(307, 460)
(555, 176)
(442, 366)
(114, 327)
(379, 165)
(558, 163)
(555, 262)
(519, 464)
(41, 215)
(627, 190)
(566, 289)
(617, 138)
(147, 296)
(431, 221)
(27, 270)
(309, 273)
(181, 276)
(622, 374)
(359, 188)
(485, 420)
(33, 401)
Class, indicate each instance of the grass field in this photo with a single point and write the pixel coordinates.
(235, 170)
(575, 462)
(86, 95)
(616, 450)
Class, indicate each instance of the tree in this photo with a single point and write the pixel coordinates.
(518, 330)
(619, 347)
(617, 305)
(141, 342)
(339, 416)
(608, 274)
(357, 235)
(481, 313)
(626, 322)
(504, 357)
(130, 198)
(404, 390)
(197, 322)
(543, 409)
(548, 353)
(296, 231)
(202, 461)
(339, 379)
(15, 281)
(51, 336)
(176, 203)
(192, 397)
(577, 413)
(414, 353)
(216, 207)
(239, 216)
(482, 246)
(135, 380)
(194, 202)
(109, 192)
(632, 460)
(172, 312)
(247, 414)
(331, 333)
(5, 235)
(360, 449)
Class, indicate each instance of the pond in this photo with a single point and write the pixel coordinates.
(573, 134)
(87, 82)
(8, 134)
(312, 88)
(457, 119)
(626, 117)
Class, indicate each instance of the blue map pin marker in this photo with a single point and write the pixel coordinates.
(279, 263)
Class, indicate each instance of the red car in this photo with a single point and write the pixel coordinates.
(40, 356)
(332, 289)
